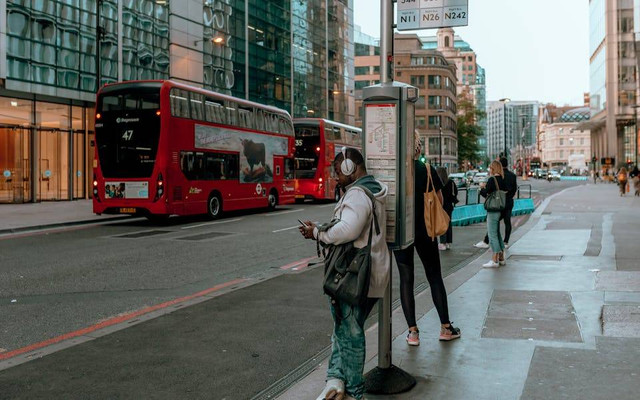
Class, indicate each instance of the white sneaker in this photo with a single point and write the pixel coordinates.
(442, 247)
(506, 245)
(481, 245)
(491, 264)
(502, 263)
(448, 246)
(334, 390)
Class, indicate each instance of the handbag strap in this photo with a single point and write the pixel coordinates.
(496, 181)
(429, 178)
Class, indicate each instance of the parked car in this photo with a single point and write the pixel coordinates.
(481, 177)
(459, 179)
(469, 175)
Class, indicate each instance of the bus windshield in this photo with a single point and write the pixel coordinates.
(128, 131)
(307, 151)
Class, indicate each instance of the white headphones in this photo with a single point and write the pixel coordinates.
(347, 166)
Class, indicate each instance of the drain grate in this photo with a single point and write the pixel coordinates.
(524, 257)
(204, 236)
(138, 235)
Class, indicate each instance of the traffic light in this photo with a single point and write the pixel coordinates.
(423, 159)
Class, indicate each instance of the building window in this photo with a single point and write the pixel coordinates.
(434, 82)
(417, 80)
(561, 142)
(421, 122)
(362, 71)
(447, 41)
(434, 102)
(376, 69)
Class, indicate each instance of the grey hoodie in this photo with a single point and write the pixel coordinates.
(354, 212)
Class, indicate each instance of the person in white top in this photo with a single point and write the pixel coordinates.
(354, 213)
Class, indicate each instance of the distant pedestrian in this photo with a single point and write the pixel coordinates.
(636, 185)
(511, 187)
(352, 219)
(449, 200)
(496, 182)
(427, 250)
(622, 180)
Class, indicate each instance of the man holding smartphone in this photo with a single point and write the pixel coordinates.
(352, 219)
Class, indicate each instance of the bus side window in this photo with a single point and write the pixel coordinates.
(232, 113)
(260, 120)
(179, 103)
(285, 127)
(288, 168)
(246, 119)
(214, 111)
(231, 166)
(196, 101)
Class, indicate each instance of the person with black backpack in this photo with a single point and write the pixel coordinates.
(449, 201)
(359, 211)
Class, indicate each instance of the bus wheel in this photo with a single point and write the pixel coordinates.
(273, 200)
(214, 206)
(337, 195)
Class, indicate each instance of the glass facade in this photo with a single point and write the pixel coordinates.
(597, 51)
(309, 57)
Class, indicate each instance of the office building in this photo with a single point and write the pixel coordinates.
(434, 76)
(470, 75)
(560, 140)
(613, 82)
(295, 55)
(511, 127)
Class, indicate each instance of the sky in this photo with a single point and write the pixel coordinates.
(531, 50)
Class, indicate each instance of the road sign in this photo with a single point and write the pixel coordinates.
(429, 14)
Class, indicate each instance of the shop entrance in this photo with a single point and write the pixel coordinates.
(15, 165)
(53, 164)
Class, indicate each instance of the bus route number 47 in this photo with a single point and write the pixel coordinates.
(127, 135)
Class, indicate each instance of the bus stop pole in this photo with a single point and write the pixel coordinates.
(386, 378)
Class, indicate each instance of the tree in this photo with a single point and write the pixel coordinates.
(468, 129)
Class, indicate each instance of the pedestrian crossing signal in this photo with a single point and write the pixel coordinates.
(423, 159)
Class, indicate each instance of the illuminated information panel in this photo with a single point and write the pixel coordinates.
(429, 14)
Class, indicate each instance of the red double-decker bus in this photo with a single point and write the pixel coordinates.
(164, 148)
(317, 143)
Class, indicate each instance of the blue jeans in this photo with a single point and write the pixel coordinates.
(348, 346)
(493, 230)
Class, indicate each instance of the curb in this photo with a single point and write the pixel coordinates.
(61, 224)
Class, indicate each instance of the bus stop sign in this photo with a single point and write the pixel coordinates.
(430, 14)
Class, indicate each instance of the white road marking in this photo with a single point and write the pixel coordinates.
(327, 205)
(282, 212)
(285, 229)
(211, 223)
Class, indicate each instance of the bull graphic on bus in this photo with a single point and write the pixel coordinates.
(256, 151)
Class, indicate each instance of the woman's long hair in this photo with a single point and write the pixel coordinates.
(495, 168)
(442, 173)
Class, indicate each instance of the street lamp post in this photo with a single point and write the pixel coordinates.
(504, 112)
(635, 127)
(440, 112)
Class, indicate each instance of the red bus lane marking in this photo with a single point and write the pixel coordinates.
(115, 320)
(297, 264)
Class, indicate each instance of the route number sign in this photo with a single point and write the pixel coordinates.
(429, 14)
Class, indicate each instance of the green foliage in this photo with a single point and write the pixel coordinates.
(468, 129)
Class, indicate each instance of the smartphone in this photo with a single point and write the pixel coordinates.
(302, 223)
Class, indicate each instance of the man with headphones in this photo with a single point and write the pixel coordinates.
(353, 213)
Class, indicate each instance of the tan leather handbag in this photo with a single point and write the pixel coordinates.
(436, 218)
